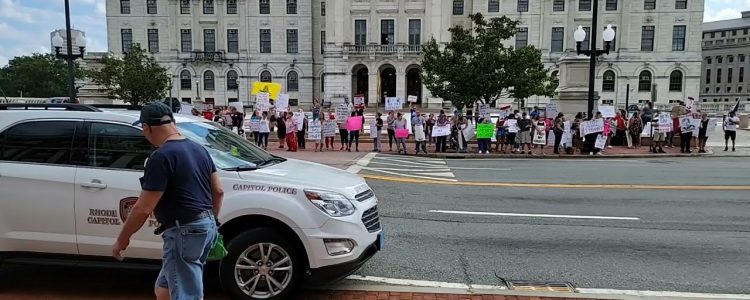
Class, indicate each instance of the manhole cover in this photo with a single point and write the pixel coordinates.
(520, 285)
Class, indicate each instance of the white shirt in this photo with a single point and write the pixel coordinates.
(730, 124)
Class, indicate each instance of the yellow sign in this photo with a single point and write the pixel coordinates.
(273, 89)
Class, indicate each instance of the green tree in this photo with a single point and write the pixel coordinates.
(476, 65)
(36, 76)
(135, 78)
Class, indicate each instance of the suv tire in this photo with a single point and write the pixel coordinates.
(259, 258)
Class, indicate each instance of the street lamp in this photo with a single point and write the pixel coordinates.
(57, 42)
(580, 35)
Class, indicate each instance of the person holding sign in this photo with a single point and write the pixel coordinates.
(540, 134)
(329, 129)
(263, 131)
(291, 132)
(730, 129)
(401, 133)
(419, 133)
(375, 132)
(501, 132)
(442, 124)
(391, 129)
(703, 133)
(354, 125)
(485, 130)
(686, 133)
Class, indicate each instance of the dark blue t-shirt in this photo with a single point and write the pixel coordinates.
(182, 170)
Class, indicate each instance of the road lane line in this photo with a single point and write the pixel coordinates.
(439, 174)
(409, 175)
(414, 170)
(661, 294)
(408, 161)
(364, 161)
(567, 185)
(479, 213)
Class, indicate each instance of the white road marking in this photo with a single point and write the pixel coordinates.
(662, 294)
(478, 213)
(488, 169)
(415, 170)
(406, 161)
(554, 160)
(402, 165)
(364, 161)
(441, 174)
(406, 175)
(425, 283)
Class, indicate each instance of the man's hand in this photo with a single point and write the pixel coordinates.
(118, 248)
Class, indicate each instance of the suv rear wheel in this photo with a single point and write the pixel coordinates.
(262, 264)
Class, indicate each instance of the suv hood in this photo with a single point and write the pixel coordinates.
(306, 174)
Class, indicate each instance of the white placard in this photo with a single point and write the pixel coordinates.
(503, 114)
(254, 125)
(646, 130)
(567, 126)
(540, 136)
(186, 108)
(512, 125)
(665, 123)
(592, 126)
(393, 103)
(551, 138)
(329, 128)
(374, 132)
(608, 111)
(439, 130)
(711, 127)
(411, 98)
(359, 101)
(552, 110)
(567, 139)
(600, 142)
(469, 132)
(687, 124)
(299, 118)
(262, 102)
(314, 131)
(282, 104)
(238, 106)
(484, 111)
(263, 128)
(342, 113)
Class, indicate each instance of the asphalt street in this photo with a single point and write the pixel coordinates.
(658, 239)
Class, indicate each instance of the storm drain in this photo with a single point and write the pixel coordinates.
(520, 285)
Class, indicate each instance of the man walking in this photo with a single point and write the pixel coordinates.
(181, 187)
(730, 129)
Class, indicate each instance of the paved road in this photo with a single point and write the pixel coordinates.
(662, 239)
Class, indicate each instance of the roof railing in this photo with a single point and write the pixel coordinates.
(48, 106)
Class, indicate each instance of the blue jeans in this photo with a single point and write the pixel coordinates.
(186, 248)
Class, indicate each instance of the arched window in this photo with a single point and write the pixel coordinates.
(608, 81)
(292, 82)
(208, 81)
(265, 76)
(644, 81)
(185, 80)
(232, 80)
(675, 81)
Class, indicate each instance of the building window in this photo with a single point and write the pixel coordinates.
(608, 81)
(231, 7)
(265, 41)
(209, 40)
(522, 37)
(611, 5)
(415, 32)
(208, 7)
(265, 76)
(151, 8)
(718, 76)
(185, 7)
(126, 35)
(493, 6)
(729, 89)
(458, 7)
(208, 81)
(185, 80)
(360, 32)
(322, 42)
(708, 76)
(323, 9)
(292, 82)
(707, 89)
(291, 7)
(678, 38)
(265, 7)
(649, 4)
(647, 38)
(586, 41)
(584, 5)
(680, 4)
(558, 5)
(125, 7)
(558, 37)
(153, 40)
(291, 41)
(387, 32)
(709, 60)
(233, 43)
(734, 32)
(232, 80)
(186, 40)
(719, 59)
(731, 59)
(675, 81)
(742, 58)
(644, 81)
(730, 71)
(523, 6)
(723, 34)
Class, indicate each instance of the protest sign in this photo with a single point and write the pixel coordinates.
(282, 103)
(186, 108)
(262, 102)
(592, 126)
(608, 111)
(711, 127)
(552, 110)
(402, 133)
(484, 111)
(359, 101)
(540, 136)
(567, 126)
(393, 103)
(512, 125)
(646, 130)
(374, 132)
(567, 139)
(354, 123)
(551, 138)
(697, 127)
(342, 113)
(686, 124)
(600, 142)
(314, 131)
(469, 132)
(665, 123)
(439, 130)
(273, 89)
(329, 128)
(299, 118)
(237, 105)
(411, 98)
(503, 114)
(263, 127)
(485, 131)
(254, 125)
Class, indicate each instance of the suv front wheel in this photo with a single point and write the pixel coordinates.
(262, 264)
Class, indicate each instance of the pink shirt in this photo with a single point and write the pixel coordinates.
(291, 126)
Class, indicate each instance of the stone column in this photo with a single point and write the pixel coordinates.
(372, 92)
(573, 88)
(401, 84)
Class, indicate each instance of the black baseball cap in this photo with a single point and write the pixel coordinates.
(155, 114)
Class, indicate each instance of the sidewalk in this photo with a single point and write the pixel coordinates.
(356, 295)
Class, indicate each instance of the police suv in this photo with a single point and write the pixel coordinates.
(69, 174)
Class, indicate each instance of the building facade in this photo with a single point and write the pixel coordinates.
(336, 49)
(726, 45)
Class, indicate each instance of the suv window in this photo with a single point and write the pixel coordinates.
(48, 142)
(227, 149)
(117, 146)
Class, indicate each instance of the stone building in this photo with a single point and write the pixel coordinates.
(726, 46)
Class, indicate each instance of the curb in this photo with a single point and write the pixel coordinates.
(526, 156)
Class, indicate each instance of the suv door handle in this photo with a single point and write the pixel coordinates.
(94, 184)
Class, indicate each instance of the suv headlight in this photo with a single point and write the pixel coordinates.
(331, 203)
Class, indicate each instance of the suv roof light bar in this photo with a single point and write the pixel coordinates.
(47, 106)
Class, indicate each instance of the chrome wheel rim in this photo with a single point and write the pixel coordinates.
(263, 270)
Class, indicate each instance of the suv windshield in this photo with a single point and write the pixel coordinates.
(228, 150)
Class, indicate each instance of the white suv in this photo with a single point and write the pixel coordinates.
(69, 175)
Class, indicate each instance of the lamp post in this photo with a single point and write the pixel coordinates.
(57, 42)
(580, 35)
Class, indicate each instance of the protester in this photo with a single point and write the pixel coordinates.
(730, 129)
(400, 123)
(301, 132)
(590, 139)
(418, 123)
(686, 136)
(429, 128)
(237, 118)
(635, 128)
(659, 136)
(377, 146)
(619, 138)
(316, 110)
(558, 130)
(354, 136)
(463, 142)
(540, 128)
(575, 129)
(329, 139)
(319, 142)
(291, 133)
(703, 133)
(343, 133)
(500, 133)
(524, 135)
(255, 117)
(510, 138)
(484, 143)
(441, 141)
(647, 112)
(281, 126)
(264, 131)
(391, 130)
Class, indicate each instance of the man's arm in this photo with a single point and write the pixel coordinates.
(142, 209)
(217, 192)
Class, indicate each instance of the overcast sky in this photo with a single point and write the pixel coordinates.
(25, 24)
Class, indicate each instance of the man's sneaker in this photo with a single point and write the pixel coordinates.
(732, 149)
(726, 148)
